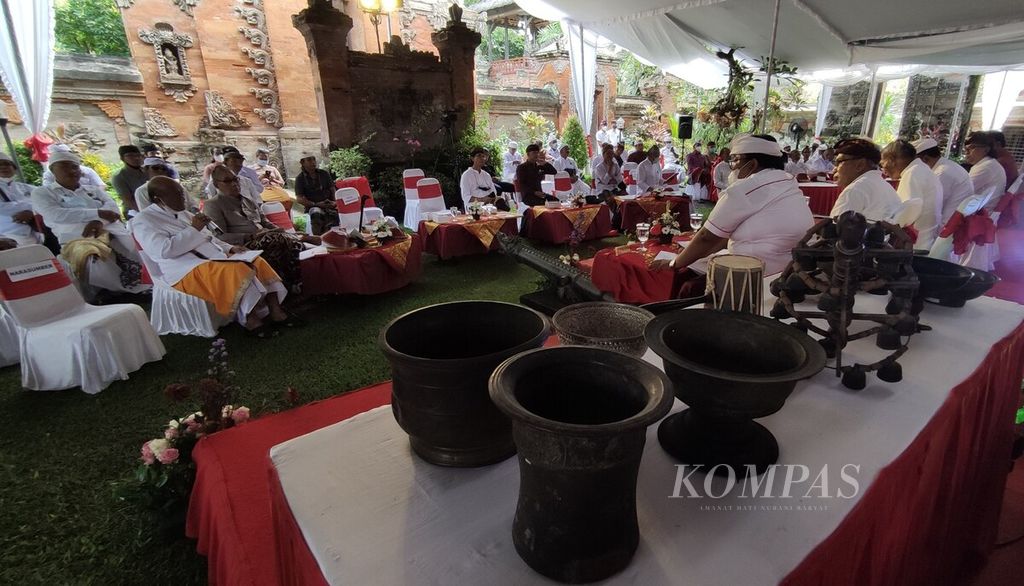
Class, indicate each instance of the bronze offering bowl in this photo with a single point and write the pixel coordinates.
(612, 326)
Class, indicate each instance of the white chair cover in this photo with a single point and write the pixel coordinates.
(431, 198)
(66, 343)
(278, 215)
(412, 197)
(10, 340)
(563, 186)
(176, 312)
(347, 201)
(631, 187)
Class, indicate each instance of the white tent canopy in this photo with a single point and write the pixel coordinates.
(812, 34)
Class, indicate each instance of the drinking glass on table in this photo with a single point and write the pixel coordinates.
(454, 210)
(643, 232)
(695, 221)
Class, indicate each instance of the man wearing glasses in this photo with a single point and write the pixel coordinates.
(987, 176)
(863, 189)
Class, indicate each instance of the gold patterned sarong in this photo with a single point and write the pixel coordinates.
(222, 283)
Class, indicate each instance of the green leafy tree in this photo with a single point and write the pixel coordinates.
(349, 162)
(516, 44)
(634, 76)
(575, 139)
(548, 34)
(533, 127)
(90, 26)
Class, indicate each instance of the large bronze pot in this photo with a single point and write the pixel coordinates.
(441, 358)
(729, 368)
(579, 419)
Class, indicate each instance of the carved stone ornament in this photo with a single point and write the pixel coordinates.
(113, 109)
(455, 12)
(156, 124)
(271, 113)
(171, 61)
(209, 136)
(222, 114)
(186, 6)
(254, 30)
(274, 146)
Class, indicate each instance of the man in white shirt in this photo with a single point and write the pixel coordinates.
(987, 176)
(185, 252)
(615, 135)
(552, 152)
(87, 223)
(900, 162)
(863, 188)
(602, 134)
(720, 172)
(17, 222)
(89, 176)
(823, 163)
(607, 174)
(476, 184)
(510, 160)
(795, 166)
(955, 180)
(578, 186)
(762, 214)
(564, 161)
(648, 171)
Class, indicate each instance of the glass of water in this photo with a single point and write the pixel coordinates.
(643, 232)
(695, 221)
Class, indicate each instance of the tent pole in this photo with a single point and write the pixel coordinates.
(955, 124)
(771, 66)
(999, 98)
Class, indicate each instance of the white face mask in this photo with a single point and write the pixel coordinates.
(218, 158)
(734, 175)
(262, 162)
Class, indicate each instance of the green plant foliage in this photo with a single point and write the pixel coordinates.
(649, 128)
(533, 127)
(516, 44)
(549, 34)
(572, 135)
(90, 26)
(31, 170)
(349, 162)
(633, 75)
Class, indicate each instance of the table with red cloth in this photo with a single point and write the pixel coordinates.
(555, 226)
(823, 196)
(646, 208)
(465, 236)
(625, 272)
(926, 505)
(364, 271)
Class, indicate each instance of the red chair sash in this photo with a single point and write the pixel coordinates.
(627, 177)
(361, 184)
(563, 184)
(670, 178)
(23, 286)
(410, 182)
(282, 219)
(977, 228)
(429, 191)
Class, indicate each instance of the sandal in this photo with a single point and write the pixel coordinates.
(263, 332)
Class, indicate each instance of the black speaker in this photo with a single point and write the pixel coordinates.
(685, 126)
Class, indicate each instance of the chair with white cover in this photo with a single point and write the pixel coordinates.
(176, 312)
(278, 215)
(431, 197)
(10, 340)
(976, 255)
(629, 178)
(563, 186)
(412, 197)
(347, 201)
(65, 342)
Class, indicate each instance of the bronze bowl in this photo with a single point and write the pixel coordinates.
(612, 326)
(939, 278)
(729, 368)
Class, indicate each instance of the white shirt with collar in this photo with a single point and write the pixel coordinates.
(794, 168)
(607, 177)
(869, 195)
(170, 241)
(579, 188)
(509, 162)
(602, 137)
(561, 164)
(648, 175)
(821, 165)
(614, 136)
(720, 174)
(67, 212)
(15, 197)
(763, 215)
(989, 181)
(89, 177)
(956, 186)
(918, 181)
(475, 184)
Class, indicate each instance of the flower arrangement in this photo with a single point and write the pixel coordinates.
(569, 259)
(474, 209)
(578, 201)
(380, 229)
(666, 226)
(167, 472)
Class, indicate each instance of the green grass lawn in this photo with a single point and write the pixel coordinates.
(62, 454)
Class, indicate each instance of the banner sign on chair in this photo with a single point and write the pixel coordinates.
(33, 279)
(350, 198)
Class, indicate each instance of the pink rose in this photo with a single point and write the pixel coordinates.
(169, 456)
(240, 415)
(147, 455)
(171, 432)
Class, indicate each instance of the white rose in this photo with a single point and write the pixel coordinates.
(157, 446)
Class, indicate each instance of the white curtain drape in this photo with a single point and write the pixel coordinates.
(26, 31)
(823, 100)
(998, 96)
(583, 66)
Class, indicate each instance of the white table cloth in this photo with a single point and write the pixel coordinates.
(371, 512)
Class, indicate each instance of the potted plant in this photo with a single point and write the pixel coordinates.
(666, 226)
(475, 208)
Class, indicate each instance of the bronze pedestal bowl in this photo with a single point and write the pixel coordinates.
(729, 368)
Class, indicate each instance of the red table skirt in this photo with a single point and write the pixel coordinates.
(635, 211)
(366, 272)
(555, 227)
(451, 240)
(822, 198)
(625, 274)
(923, 519)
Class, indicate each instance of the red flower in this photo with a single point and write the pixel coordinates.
(656, 230)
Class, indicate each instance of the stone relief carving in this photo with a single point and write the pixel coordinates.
(172, 64)
(113, 110)
(208, 135)
(255, 31)
(186, 6)
(156, 124)
(222, 113)
(274, 146)
(83, 135)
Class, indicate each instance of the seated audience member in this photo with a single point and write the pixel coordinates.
(648, 172)
(130, 178)
(619, 152)
(217, 158)
(955, 180)
(607, 174)
(564, 160)
(900, 162)
(156, 167)
(477, 184)
(638, 154)
(88, 177)
(87, 223)
(552, 152)
(761, 214)
(823, 163)
(235, 160)
(268, 174)
(314, 190)
(671, 155)
(17, 222)
(863, 190)
(530, 173)
(1004, 156)
(720, 170)
(987, 176)
(795, 166)
(578, 186)
(241, 222)
(187, 254)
